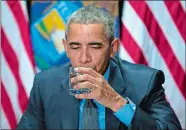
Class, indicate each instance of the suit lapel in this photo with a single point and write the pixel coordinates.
(68, 105)
(118, 84)
(115, 78)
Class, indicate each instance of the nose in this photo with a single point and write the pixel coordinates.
(84, 56)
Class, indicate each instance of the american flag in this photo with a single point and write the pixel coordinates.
(154, 34)
(17, 64)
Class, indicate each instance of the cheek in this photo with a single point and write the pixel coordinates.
(73, 53)
(100, 59)
(73, 58)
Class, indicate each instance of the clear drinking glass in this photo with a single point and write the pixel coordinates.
(73, 91)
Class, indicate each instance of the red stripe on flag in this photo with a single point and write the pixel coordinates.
(7, 107)
(23, 27)
(132, 48)
(162, 44)
(11, 58)
(175, 8)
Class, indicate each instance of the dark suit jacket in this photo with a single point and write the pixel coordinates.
(51, 107)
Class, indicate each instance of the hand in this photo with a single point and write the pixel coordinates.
(102, 91)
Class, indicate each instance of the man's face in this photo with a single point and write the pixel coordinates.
(86, 46)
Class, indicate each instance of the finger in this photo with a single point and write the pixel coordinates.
(92, 95)
(84, 85)
(82, 96)
(85, 77)
(89, 71)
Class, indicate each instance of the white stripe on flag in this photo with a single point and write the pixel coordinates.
(24, 9)
(26, 72)
(123, 54)
(13, 34)
(183, 3)
(169, 29)
(4, 121)
(10, 86)
(140, 34)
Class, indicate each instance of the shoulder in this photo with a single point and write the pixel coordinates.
(140, 78)
(52, 78)
(48, 82)
(136, 70)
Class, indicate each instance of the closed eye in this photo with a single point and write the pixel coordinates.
(95, 45)
(74, 45)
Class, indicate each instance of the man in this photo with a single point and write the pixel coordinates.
(124, 95)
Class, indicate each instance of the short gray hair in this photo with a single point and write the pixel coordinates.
(90, 15)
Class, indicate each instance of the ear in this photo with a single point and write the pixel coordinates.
(65, 46)
(114, 47)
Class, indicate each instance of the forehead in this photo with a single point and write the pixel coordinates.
(86, 30)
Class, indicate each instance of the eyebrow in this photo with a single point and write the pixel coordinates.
(95, 43)
(90, 43)
(74, 43)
